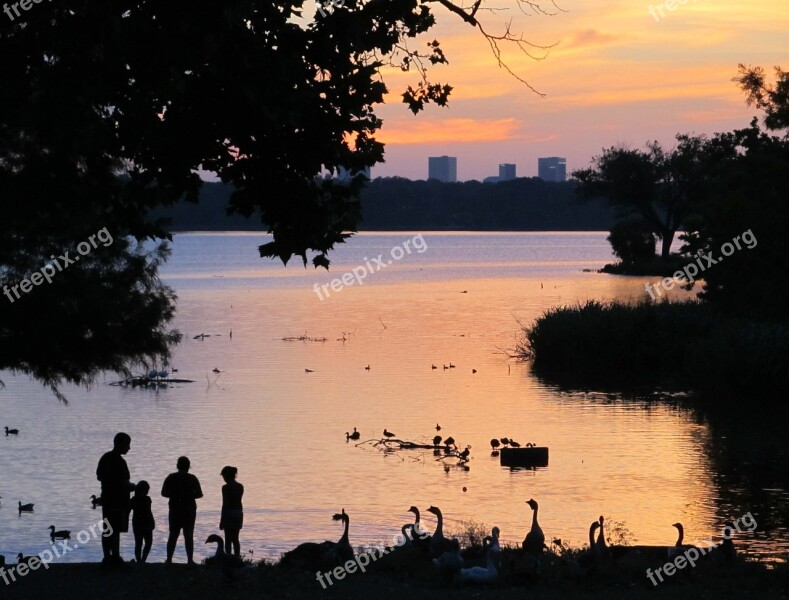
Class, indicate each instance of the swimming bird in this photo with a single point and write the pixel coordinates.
(437, 440)
(216, 370)
(11, 431)
(367, 368)
(473, 370)
(514, 444)
(438, 427)
(433, 367)
(63, 534)
(352, 436)
(305, 370)
(505, 441)
(23, 560)
(451, 366)
(450, 441)
(25, 507)
(95, 501)
(494, 443)
(388, 434)
(465, 453)
(445, 367)
(534, 541)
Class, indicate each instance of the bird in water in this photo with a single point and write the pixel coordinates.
(438, 427)
(95, 501)
(11, 431)
(367, 368)
(494, 443)
(388, 434)
(433, 367)
(450, 441)
(305, 370)
(63, 534)
(465, 453)
(352, 436)
(437, 440)
(25, 507)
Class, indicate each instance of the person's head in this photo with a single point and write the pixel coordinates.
(229, 473)
(142, 488)
(183, 463)
(121, 443)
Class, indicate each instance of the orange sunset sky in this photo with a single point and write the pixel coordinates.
(616, 75)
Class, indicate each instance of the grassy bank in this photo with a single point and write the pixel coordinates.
(682, 345)
(179, 582)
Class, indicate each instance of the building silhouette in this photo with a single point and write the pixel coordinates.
(506, 172)
(552, 168)
(443, 168)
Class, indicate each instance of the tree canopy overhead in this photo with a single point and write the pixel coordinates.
(110, 109)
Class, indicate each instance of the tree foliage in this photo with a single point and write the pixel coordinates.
(108, 110)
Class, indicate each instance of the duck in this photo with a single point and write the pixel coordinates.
(436, 440)
(438, 427)
(63, 534)
(95, 501)
(352, 436)
(438, 543)
(433, 366)
(21, 559)
(25, 507)
(226, 562)
(11, 431)
(534, 542)
(514, 444)
(216, 370)
(367, 368)
(305, 370)
(451, 366)
(388, 434)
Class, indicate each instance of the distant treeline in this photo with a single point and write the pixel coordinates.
(396, 203)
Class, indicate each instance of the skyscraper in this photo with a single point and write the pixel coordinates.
(443, 168)
(552, 168)
(506, 171)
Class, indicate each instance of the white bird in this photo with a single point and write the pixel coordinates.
(489, 573)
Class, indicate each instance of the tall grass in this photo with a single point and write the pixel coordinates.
(689, 345)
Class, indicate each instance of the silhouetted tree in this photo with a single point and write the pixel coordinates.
(632, 241)
(108, 110)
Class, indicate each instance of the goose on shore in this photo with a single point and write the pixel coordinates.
(25, 507)
(419, 536)
(678, 547)
(489, 573)
(226, 562)
(534, 542)
(600, 544)
(438, 543)
(312, 555)
(343, 549)
(450, 562)
(63, 534)
(589, 559)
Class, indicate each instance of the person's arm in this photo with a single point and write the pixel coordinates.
(198, 490)
(166, 487)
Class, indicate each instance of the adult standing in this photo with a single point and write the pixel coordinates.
(113, 473)
(182, 488)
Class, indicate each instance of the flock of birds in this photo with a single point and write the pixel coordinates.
(456, 564)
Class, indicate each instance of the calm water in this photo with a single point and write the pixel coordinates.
(459, 300)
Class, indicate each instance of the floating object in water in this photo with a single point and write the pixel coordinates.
(536, 456)
(438, 427)
(25, 507)
(95, 501)
(63, 534)
(352, 436)
(11, 431)
(216, 370)
(367, 368)
(305, 370)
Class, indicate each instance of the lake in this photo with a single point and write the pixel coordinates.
(279, 407)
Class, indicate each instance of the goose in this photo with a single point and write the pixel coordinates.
(388, 434)
(534, 541)
(678, 547)
(11, 431)
(312, 555)
(438, 543)
(343, 549)
(489, 573)
(600, 545)
(25, 507)
(445, 367)
(419, 537)
(226, 562)
(449, 563)
(23, 560)
(352, 436)
(589, 559)
(95, 501)
(63, 534)
(437, 440)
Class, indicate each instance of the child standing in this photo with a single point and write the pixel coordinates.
(232, 511)
(142, 521)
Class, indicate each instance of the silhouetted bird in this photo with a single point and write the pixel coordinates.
(450, 441)
(505, 441)
(438, 427)
(437, 440)
(514, 444)
(216, 370)
(433, 367)
(25, 507)
(494, 443)
(63, 534)
(352, 436)
(388, 434)
(308, 371)
(11, 431)
(473, 370)
(95, 501)
(465, 453)
(367, 368)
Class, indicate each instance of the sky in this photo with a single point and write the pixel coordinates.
(615, 74)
